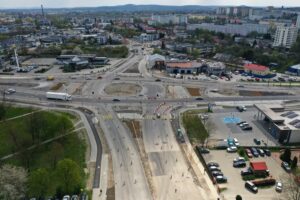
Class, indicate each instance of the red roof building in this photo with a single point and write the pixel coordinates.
(258, 166)
(256, 69)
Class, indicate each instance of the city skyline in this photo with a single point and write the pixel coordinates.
(6, 4)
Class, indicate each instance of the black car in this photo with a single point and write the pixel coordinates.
(247, 128)
(158, 80)
(246, 172)
(199, 99)
(116, 99)
(221, 179)
(267, 152)
(217, 173)
(212, 164)
(202, 150)
(256, 141)
(239, 164)
(254, 152)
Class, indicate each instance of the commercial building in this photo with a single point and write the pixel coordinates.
(156, 61)
(183, 67)
(282, 125)
(216, 68)
(232, 29)
(285, 36)
(294, 70)
(257, 70)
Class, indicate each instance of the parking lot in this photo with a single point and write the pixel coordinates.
(224, 128)
(236, 185)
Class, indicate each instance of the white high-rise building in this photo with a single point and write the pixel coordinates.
(285, 36)
(298, 21)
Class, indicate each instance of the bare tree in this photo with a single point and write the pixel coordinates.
(291, 188)
(12, 182)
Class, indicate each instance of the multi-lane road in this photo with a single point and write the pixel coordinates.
(170, 172)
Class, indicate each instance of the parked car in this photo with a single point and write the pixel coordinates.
(212, 164)
(217, 173)
(246, 172)
(254, 152)
(213, 168)
(286, 166)
(232, 149)
(239, 164)
(74, 197)
(202, 150)
(239, 159)
(278, 187)
(267, 152)
(261, 152)
(221, 179)
(247, 128)
(66, 197)
(240, 123)
(244, 124)
(241, 108)
(250, 186)
(249, 154)
(256, 141)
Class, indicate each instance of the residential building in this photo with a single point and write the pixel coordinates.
(168, 19)
(285, 36)
(232, 29)
(298, 21)
(281, 124)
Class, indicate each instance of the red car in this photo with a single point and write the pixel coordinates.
(249, 154)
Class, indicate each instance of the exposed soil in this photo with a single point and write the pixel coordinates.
(133, 69)
(194, 91)
(123, 89)
(135, 128)
(261, 93)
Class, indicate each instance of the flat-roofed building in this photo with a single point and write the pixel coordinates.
(283, 125)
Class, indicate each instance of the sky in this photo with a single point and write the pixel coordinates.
(94, 3)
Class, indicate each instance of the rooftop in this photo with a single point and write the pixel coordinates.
(182, 64)
(259, 166)
(255, 67)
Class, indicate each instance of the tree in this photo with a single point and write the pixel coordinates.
(238, 197)
(286, 156)
(39, 184)
(68, 175)
(2, 111)
(55, 154)
(12, 182)
(294, 162)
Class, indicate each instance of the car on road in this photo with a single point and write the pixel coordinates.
(99, 77)
(117, 78)
(286, 166)
(10, 91)
(116, 100)
(199, 99)
(232, 149)
(250, 186)
(241, 86)
(241, 108)
(278, 186)
(212, 164)
(221, 179)
(256, 141)
(267, 152)
(157, 80)
(249, 153)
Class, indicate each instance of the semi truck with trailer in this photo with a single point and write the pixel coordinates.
(59, 96)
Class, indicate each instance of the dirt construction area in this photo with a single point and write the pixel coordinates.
(123, 89)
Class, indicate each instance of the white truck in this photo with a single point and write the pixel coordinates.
(59, 96)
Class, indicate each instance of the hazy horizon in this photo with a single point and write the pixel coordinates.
(18, 4)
